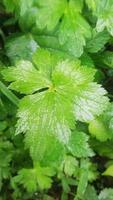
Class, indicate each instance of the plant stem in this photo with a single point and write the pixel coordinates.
(2, 35)
(9, 94)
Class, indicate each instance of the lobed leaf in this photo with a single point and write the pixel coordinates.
(59, 91)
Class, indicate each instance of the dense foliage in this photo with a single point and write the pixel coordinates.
(56, 99)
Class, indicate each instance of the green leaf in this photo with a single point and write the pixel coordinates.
(20, 47)
(46, 113)
(25, 6)
(70, 70)
(84, 191)
(86, 60)
(91, 4)
(59, 18)
(58, 92)
(42, 148)
(103, 148)
(103, 10)
(90, 193)
(106, 194)
(25, 78)
(42, 14)
(78, 145)
(102, 127)
(49, 13)
(97, 42)
(70, 165)
(41, 177)
(44, 177)
(10, 5)
(99, 130)
(83, 179)
(107, 58)
(78, 5)
(108, 171)
(90, 102)
(20, 6)
(73, 30)
(30, 14)
(46, 65)
(3, 125)
(6, 153)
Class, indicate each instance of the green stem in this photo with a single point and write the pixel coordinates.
(2, 35)
(9, 94)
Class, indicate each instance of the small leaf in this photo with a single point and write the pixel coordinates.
(106, 194)
(20, 47)
(86, 60)
(109, 171)
(102, 126)
(78, 145)
(70, 165)
(99, 130)
(90, 193)
(107, 58)
(73, 30)
(41, 177)
(83, 179)
(103, 10)
(97, 42)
